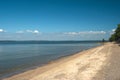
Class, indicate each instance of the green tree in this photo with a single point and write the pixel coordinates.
(112, 38)
(116, 35)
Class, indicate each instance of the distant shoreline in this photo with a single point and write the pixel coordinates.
(47, 42)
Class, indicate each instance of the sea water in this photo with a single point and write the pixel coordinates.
(18, 56)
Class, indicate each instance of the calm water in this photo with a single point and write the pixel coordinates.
(17, 56)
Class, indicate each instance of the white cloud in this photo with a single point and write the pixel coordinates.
(1, 30)
(36, 35)
(71, 33)
(29, 31)
(113, 30)
(20, 32)
(36, 31)
(85, 32)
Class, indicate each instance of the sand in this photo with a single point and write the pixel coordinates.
(100, 63)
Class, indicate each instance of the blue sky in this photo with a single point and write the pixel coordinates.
(58, 19)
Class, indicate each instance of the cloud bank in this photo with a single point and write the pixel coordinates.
(85, 32)
(36, 35)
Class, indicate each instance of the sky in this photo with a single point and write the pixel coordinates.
(58, 19)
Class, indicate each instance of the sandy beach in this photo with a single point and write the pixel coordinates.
(100, 63)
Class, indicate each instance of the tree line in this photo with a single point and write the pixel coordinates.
(116, 35)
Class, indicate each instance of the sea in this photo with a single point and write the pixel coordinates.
(19, 56)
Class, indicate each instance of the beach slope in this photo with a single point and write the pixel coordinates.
(100, 63)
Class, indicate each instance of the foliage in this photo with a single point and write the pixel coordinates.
(116, 35)
(103, 40)
(112, 38)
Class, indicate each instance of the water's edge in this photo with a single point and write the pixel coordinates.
(41, 65)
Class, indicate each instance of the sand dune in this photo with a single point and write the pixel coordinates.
(100, 63)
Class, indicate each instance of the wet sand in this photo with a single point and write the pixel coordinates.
(100, 63)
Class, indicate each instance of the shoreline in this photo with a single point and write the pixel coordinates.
(99, 63)
(22, 69)
(45, 64)
(62, 58)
